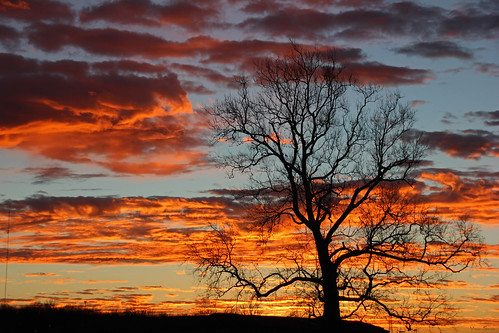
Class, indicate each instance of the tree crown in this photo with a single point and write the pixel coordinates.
(336, 158)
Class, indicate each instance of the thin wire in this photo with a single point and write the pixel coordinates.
(7, 261)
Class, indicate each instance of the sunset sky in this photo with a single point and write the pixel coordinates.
(106, 172)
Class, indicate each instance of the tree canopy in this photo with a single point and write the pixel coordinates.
(337, 159)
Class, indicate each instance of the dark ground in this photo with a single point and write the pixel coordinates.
(46, 319)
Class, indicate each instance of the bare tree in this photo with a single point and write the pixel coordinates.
(335, 158)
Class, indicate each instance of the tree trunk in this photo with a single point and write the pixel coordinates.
(331, 301)
(331, 298)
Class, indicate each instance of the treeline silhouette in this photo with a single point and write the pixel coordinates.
(46, 318)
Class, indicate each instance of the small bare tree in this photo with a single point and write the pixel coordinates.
(335, 158)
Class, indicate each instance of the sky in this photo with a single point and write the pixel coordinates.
(107, 177)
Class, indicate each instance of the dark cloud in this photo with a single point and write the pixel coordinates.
(188, 15)
(115, 42)
(388, 75)
(469, 144)
(47, 175)
(238, 53)
(489, 5)
(247, 52)
(128, 66)
(438, 49)
(9, 37)
(353, 24)
(196, 88)
(37, 90)
(290, 22)
(207, 73)
(353, 3)
(108, 41)
(347, 55)
(490, 118)
(126, 43)
(395, 19)
(36, 10)
(471, 24)
(85, 206)
(230, 51)
(260, 6)
(264, 6)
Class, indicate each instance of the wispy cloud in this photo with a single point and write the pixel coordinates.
(50, 174)
(490, 118)
(41, 274)
(438, 49)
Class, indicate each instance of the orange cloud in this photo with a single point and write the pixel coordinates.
(110, 230)
(18, 5)
(40, 274)
(130, 123)
(164, 229)
(455, 195)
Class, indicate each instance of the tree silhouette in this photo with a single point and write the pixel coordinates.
(335, 158)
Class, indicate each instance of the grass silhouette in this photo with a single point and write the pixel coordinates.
(41, 318)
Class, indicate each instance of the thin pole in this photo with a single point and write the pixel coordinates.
(7, 261)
